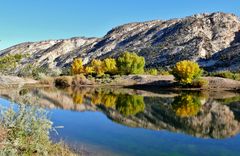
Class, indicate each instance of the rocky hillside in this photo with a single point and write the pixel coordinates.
(211, 39)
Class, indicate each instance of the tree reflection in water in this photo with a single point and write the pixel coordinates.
(186, 105)
(130, 104)
(125, 104)
(200, 114)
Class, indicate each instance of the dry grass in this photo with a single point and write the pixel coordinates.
(81, 80)
(47, 81)
(3, 135)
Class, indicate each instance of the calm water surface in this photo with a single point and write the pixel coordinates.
(118, 121)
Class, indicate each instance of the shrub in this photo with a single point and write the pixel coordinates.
(36, 72)
(65, 71)
(110, 66)
(80, 80)
(164, 71)
(152, 71)
(199, 83)
(186, 71)
(9, 62)
(28, 132)
(130, 63)
(77, 66)
(63, 81)
(226, 74)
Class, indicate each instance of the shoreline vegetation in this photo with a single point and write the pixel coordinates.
(128, 70)
(25, 130)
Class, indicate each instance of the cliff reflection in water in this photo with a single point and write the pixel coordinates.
(207, 115)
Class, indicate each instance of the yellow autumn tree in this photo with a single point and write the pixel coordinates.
(89, 70)
(98, 67)
(77, 66)
(186, 71)
(110, 65)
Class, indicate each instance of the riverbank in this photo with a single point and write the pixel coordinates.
(131, 81)
(144, 82)
(8, 81)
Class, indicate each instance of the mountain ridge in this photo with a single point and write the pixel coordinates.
(205, 38)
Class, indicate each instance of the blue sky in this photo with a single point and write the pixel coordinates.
(34, 20)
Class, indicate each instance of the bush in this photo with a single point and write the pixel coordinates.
(28, 132)
(80, 80)
(152, 71)
(164, 71)
(130, 63)
(199, 83)
(9, 63)
(186, 71)
(227, 74)
(35, 72)
(63, 81)
(65, 71)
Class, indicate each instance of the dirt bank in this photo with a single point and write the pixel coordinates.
(147, 81)
(8, 81)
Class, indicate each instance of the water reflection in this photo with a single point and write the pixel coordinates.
(186, 105)
(205, 115)
(125, 104)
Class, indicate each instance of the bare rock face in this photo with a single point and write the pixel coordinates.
(206, 38)
(51, 53)
(227, 59)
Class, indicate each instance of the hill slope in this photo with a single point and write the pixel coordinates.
(212, 39)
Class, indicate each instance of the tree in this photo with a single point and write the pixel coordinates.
(186, 71)
(110, 66)
(130, 63)
(89, 70)
(77, 66)
(98, 67)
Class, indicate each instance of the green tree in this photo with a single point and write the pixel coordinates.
(130, 63)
